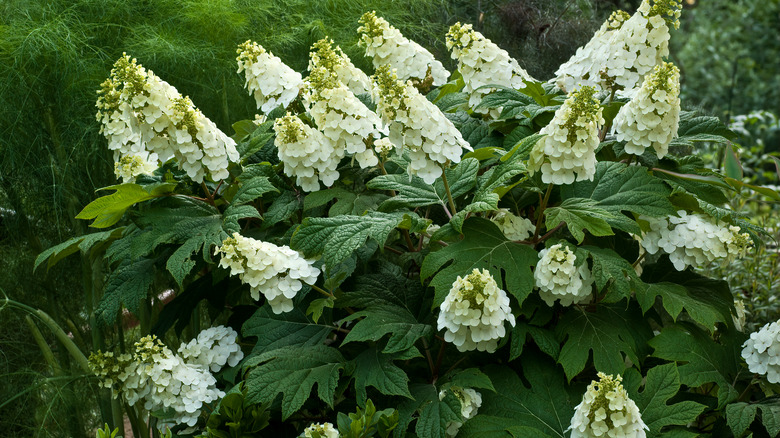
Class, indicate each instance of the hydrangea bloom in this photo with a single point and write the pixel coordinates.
(383, 147)
(277, 272)
(482, 62)
(641, 43)
(470, 401)
(140, 113)
(418, 124)
(572, 136)
(385, 45)
(694, 239)
(342, 117)
(762, 352)
(323, 54)
(320, 430)
(132, 165)
(268, 79)
(607, 411)
(584, 67)
(513, 227)
(307, 154)
(213, 348)
(653, 114)
(166, 381)
(558, 278)
(474, 312)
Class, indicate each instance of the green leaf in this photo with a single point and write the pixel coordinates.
(741, 415)
(293, 372)
(701, 360)
(335, 238)
(317, 306)
(731, 164)
(472, 378)
(543, 409)
(434, 414)
(322, 197)
(252, 189)
(475, 130)
(81, 243)
(544, 339)
(662, 383)
(512, 102)
(108, 210)
(373, 368)
(694, 128)
(234, 213)
(283, 330)
(522, 148)
(611, 269)
(580, 215)
(283, 207)
(483, 247)
(675, 298)
(128, 284)
(382, 319)
(618, 187)
(610, 332)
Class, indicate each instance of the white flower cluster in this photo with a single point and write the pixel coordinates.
(694, 239)
(140, 113)
(385, 45)
(383, 147)
(336, 61)
(130, 166)
(474, 312)
(652, 116)
(607, 411)
(558, 278)
(481, 62)
(418, 124)
(268, 79)
(584, 67)
(342, 117)
(762, 352)
(277, 272)
(513, 227)
(307, 154)
(569, 146)
(213, 348)
(164, 381)
(641, 43)
(320, 430)
(470, 401)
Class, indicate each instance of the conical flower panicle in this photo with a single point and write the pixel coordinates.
(584, 67)
(513, 227)
(652, 116)
(470, 401)
(416, 123)
(558, 278)
(474, 312)
(569, 147)
(307, 154)
(277, 272)
(342, 117)
(320, 430)
(334, 60)
(268, 79)
(385, 45)
(762, 352)
(481, 62)
(607, 411)
(145, 117)
(694, 239)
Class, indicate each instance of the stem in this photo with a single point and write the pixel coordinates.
(446, 211)
(209, 195)
(48, 356)
(393, 250)
(408, 239)
(541, 212)
(550, 233)
(439, 358)
(428, 355)
(449, 194)
(322, 291)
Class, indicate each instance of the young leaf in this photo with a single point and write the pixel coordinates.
(542, 410)
(472, 378)
(234, 213)
(108, 210)
(741, 415)
(382, 319)
(252, 189)
(483, 247)
(293, 372)
(283, 207)
(128, 284)
(662, 383)
(609, 332)
(611, 269)
(373, 368)
(701, 359)
(580, 214)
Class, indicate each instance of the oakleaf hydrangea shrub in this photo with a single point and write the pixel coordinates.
(393, 259)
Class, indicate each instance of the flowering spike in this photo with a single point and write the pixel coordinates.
(558, 278)
(307, 154)
(268, 79)
(762, 352)
(607, 411)
(334, 60)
